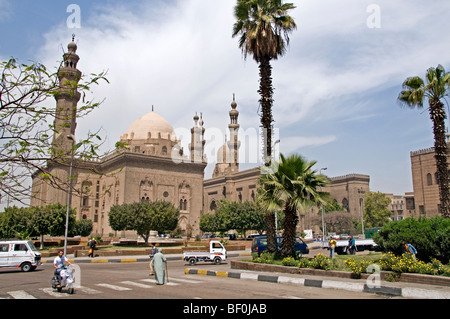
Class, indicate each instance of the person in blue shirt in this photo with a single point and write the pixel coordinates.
(408, 248)
(351, 247)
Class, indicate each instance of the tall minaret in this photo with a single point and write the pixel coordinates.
(67, 98)
(234, 143)
(197, 145)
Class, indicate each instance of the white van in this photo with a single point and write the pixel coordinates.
(19, 253)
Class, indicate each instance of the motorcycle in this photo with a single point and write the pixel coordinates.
(65, 279)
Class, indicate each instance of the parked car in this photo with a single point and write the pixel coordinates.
(259, 245)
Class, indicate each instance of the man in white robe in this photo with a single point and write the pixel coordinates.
(159, 263)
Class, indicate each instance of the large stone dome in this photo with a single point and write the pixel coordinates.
(151, 125)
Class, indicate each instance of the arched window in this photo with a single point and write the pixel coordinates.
(213, 205)
(345, 204)
(429, 179)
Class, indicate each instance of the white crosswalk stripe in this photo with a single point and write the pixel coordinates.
(114, 287)
(154, 282)
(126, 285)
(21, 294)
(136, 284)
(189, 281)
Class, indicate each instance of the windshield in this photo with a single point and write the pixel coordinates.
(31, 245)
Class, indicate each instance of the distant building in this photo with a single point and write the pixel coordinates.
(425, 182)
(402, 206)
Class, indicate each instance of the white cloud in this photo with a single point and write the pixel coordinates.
(295, 143)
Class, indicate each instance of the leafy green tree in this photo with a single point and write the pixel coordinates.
(56, 213)
(15, 223)
(295, 186)
(376, 209)
(208, 223)
(436, 88)
(83, 227)
(143, 217)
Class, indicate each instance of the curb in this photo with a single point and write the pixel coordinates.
(405, 292)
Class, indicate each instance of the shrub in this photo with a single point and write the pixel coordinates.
(407, 264)
(431, 237)
(357, 266)
(304, 263)
(290, 261)
(265, 258)
(320, 262)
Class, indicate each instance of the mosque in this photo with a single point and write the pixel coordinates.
(154, 167)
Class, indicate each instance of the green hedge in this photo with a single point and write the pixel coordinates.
(430, 236)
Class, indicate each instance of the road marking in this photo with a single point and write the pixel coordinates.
(132, 283)
(292, 297)
(186, 280)
(53, 293)
(89, 291)
(114, 287)
(153, 281)
(21, 294)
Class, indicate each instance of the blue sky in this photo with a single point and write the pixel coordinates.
(335, 89)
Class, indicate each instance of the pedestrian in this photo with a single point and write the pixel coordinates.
(332, 245)
(153, 251)
(351, 247)
(160, 267)
(408, 248)
(92, 245)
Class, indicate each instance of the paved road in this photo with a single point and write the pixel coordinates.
(131, 281)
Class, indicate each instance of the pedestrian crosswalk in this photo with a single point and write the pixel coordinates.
(98, 288)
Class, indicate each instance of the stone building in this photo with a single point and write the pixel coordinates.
(425, 182)
(151, 167)
(229, 183)
(402, 206)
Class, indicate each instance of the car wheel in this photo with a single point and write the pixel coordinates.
(192, 261)
(26, 267)
(217, 260)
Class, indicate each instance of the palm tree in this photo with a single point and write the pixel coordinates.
(414, 93)
(295, 186)
(264, 27)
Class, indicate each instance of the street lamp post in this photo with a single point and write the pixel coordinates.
(361, 199)
(69, 193)
(323, 213)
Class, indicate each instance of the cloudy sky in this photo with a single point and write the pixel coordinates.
(335, 89)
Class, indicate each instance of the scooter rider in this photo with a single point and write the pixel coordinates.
(58, 264)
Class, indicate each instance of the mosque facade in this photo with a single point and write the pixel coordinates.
(152, 167)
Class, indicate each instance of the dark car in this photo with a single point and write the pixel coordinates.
(259, 245)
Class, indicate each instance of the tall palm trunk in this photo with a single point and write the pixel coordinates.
(290, 226)
(266, 92)
(272, 245)
(437, 115)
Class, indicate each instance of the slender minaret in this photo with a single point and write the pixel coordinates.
(67, 98)
(197, 145)
(233, 144)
